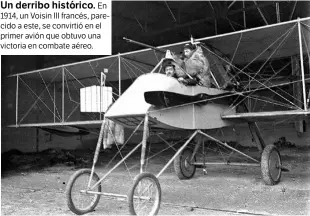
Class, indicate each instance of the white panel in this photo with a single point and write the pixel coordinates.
(90, 98)
(106, 98)
(93, 103)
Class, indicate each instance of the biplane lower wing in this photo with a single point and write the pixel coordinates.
(74, 128)
(269, 116)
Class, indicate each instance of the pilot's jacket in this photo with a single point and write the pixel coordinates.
(198, 66)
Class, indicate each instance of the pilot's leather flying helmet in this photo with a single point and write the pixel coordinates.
(189, 46)
(167, 62)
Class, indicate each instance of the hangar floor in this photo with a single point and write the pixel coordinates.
(223, 191)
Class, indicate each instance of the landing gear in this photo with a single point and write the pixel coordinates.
(79, 199)
(271, 165)
(183, 165)
(145, 196)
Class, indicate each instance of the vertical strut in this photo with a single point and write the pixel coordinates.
(54, 103)
(97, 151)
(200, 138)
(100, 95)
(302, 66)
(144, 141)
(215, 25)
(255, 132)
(297, 91)
(16, 111)
(278, 12)
(37, 139)
(244, 18)
(257, 135)
(308, 100)
(119, 76)
(63, 95)
(204, 158)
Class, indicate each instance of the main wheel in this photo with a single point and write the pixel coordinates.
(82, 202)
(145, 196)
(271, 165)
(183, 167)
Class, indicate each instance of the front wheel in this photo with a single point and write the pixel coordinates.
(271, 165)
(145, 196)
(78, 200)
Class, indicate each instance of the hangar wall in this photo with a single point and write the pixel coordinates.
(30, 139)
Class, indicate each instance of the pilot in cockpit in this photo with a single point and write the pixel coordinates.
(188, 50)
(169, 69)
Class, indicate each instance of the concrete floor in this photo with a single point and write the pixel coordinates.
(223, 191)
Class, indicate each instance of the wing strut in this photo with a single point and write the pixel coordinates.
(256, 134)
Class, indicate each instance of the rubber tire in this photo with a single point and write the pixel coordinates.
(178, 166)
(70, 184)
(132, 190)
(265, 169)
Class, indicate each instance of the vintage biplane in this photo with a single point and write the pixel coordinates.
(266, 89)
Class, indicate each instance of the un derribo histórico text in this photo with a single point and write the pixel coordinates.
(51, 25)
(50, 5)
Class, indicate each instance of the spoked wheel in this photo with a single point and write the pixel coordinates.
(183, 166)
(145, 196)
(271, 165)
(81, 202)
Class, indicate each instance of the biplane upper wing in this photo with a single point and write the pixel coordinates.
(242, 47)
(269, 116)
